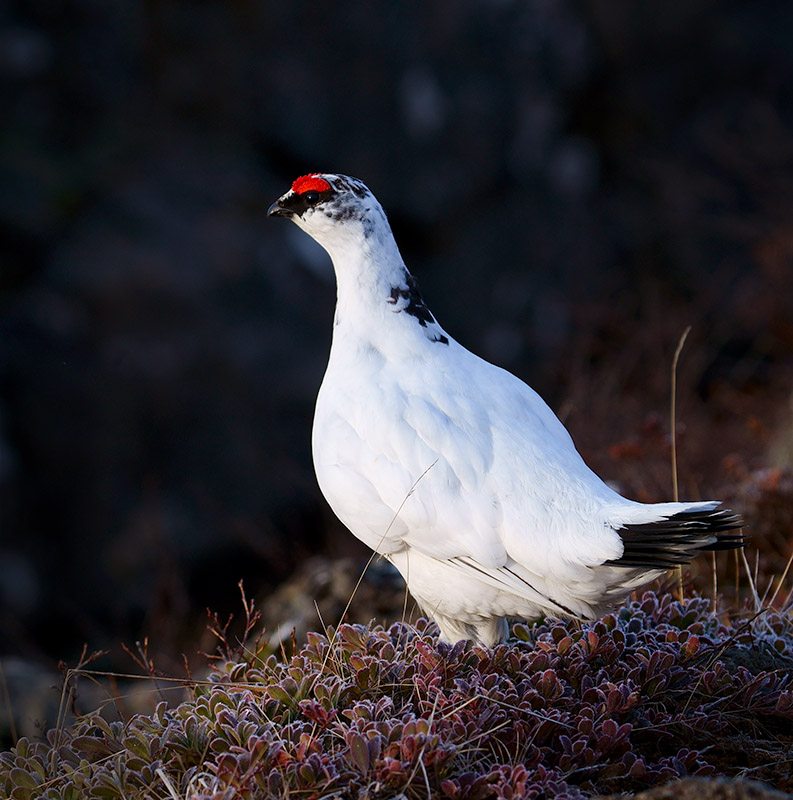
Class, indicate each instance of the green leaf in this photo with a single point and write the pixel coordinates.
(277, 692)
(24, 779)
(359, 751)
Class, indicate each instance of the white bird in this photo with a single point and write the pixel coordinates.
(454, 469)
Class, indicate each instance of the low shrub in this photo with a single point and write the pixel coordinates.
(658, 690)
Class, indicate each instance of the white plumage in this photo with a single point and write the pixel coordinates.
(455, 469)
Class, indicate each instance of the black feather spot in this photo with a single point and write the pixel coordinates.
(416, 307)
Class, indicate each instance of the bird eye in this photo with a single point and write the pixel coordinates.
(311, 197)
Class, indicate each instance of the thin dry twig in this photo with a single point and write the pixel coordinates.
(167, 781)
(673, 434)
(781, 580)
(673, 412)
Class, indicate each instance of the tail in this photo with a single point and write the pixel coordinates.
(676, 539)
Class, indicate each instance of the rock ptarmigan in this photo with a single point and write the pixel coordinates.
(454, 469)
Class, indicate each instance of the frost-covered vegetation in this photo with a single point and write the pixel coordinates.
(658, 690)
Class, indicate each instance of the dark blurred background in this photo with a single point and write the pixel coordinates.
(573, 183)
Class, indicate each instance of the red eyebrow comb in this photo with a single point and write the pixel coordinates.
(309, 183)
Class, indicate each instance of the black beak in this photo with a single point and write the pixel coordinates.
(277, 210)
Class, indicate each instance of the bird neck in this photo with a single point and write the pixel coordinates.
(370, 274)
(378, 302)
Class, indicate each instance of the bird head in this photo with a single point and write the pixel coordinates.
(333, 209)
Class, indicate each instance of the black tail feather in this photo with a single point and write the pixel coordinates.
(674, 541)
